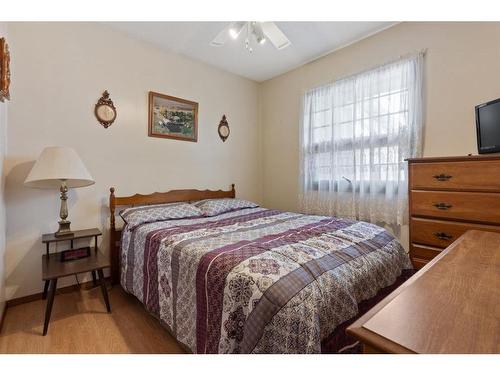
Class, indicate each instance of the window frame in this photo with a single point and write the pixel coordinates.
(354, 143)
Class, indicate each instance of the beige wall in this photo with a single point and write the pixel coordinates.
(58, 73)
(3, 134)
(60, 70)
(461, 70)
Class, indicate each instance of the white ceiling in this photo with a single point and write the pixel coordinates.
(310, 40)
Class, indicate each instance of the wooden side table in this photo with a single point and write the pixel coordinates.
(53, 268)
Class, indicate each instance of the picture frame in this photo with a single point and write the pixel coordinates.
(4, 70)
(172, 117)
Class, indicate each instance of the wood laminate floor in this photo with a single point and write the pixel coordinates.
(80, 324)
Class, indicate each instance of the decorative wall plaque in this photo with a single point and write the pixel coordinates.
(105, 110)
(223, 129)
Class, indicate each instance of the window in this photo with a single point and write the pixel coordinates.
(356, 133)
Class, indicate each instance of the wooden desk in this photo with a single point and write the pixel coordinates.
(452, 305)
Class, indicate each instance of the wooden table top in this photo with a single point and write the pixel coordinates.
(53, 268)
(452, 305)
(76, 234)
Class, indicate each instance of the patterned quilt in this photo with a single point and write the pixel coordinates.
(257, 280)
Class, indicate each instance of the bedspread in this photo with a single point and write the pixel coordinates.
(257, 280)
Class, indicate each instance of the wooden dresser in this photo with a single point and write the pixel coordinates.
(452, 305)
(447, 197)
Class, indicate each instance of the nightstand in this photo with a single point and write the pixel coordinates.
(53, 268)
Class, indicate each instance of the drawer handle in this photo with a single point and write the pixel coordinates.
(442, 206)
(443, 236)
(442, 177)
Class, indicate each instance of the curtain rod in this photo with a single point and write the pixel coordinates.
(392, 61)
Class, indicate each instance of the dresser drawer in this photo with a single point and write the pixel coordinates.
(418, 263)
(465, 206)
(424, 252)
(466, 175)
(442, 233)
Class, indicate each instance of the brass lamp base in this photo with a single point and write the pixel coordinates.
(64, 229)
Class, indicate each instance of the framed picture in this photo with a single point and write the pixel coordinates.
(4, 70)
(171, 117)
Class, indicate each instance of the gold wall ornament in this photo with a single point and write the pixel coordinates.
(223, 129)
(4, 70)
(105, 110)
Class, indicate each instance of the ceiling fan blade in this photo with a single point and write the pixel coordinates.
(232, 30)
(275, 35)
(222, 37)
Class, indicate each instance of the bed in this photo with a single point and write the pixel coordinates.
(254, 280)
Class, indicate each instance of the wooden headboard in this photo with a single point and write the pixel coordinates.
(154, 198)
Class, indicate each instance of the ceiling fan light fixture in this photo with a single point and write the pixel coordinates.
(233, 33)
(235, 29)
(259, 34)
(255, 33)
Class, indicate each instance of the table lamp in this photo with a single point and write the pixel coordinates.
(59, 168)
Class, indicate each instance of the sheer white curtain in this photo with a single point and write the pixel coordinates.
(355, 135)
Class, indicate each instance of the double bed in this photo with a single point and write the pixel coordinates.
(251, 279)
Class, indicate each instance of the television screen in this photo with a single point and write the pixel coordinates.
(488, 127)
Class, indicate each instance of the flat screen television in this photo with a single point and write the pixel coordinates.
(488, 127)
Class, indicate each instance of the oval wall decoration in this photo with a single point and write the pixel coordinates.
(105, 110)
(223, 129)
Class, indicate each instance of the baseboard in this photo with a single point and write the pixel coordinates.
(38, 296)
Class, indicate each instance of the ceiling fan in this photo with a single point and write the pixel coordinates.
(258, 31)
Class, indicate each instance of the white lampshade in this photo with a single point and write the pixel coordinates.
(56, 164)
